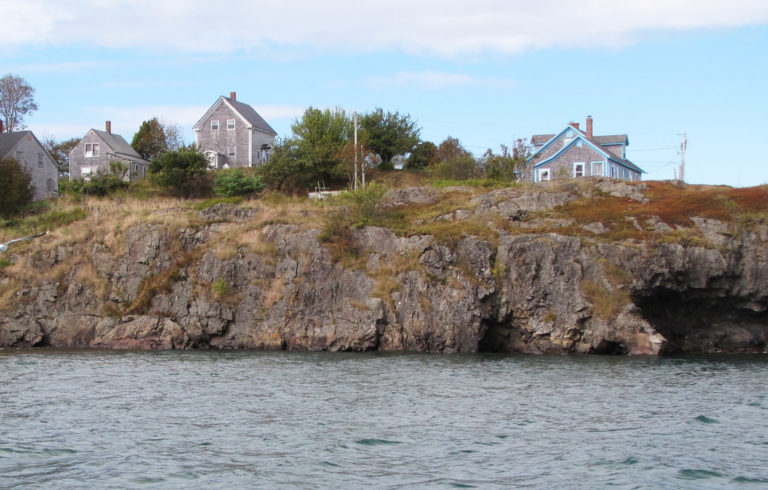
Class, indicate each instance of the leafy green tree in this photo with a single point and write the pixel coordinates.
(507, 165)
(181, 172)
(230, 183)
(150, 141)
(313, 153)
(59, 151)
(424, 155)
(389, 134)
(17, 99)
(16, 189)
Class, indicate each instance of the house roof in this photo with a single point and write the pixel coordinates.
(540, 139)
(245, 111)
(118, 145)
(9, 140)
(612, 139)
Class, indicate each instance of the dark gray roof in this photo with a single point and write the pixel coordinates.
(9, 140)
(540, 139)
(612, 139)
(118, 145)
(250, 115)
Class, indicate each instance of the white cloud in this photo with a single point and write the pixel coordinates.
(436, 80)
(429, 26)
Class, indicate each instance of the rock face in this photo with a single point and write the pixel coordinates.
(283, 288)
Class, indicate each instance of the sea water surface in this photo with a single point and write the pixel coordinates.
(252, 419)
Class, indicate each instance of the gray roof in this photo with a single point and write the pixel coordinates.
(250, 114)
(540, 139)
(9, 140)
(612, 139)
(118, 145)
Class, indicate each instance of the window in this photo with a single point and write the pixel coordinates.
(230, 124)
(215, 125)
(19, 157)
(231, 151)
(91, 149)
(40, 160)
(258, 155)
(544, 174)
(49, 185)
(579, 143)
(578, 169)
(597, 169)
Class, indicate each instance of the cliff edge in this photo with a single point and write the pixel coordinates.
(594, 266)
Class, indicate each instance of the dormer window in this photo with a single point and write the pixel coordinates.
(91, 149)
(215, 125)
(230, 124)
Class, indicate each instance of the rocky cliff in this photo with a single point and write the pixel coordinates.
(599, 267)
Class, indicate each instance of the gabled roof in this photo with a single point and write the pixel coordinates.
(612, 139)
(118, 145)
(244, 110)
(9, 140)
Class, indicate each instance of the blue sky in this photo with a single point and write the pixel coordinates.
(486, 72)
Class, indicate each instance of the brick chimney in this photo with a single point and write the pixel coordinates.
(109, 127)
(589, 127)
(233, 95)
(574, 125)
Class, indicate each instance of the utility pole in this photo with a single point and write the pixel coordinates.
(683, 147)
(355, 119)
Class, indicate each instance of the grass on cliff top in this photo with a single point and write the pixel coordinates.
(674, 204)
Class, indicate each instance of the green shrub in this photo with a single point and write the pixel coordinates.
(236, 182)
(182, 172)
(16, 189)
(460, 168)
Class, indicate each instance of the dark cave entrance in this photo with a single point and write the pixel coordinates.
(497, 337)
(696, 322)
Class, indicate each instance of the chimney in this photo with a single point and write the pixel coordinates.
(233, 95)
(589, 127)
(574, 125)
(109, 127)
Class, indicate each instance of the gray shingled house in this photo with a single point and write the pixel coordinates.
(576, 153)
(232, 134)
(95, 152)
(27, 150)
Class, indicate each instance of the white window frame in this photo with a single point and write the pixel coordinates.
(214, 125)
(232, 151)
(545, 172)
(592, 169)
(230, 124)
(40, 160)
(576, 165)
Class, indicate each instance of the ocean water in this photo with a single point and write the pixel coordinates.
(73, 419)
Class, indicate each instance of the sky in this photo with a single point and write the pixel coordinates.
(486, 72)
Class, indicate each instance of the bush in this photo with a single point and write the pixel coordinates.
(100, 186)
(230, 183)
(16, 189)
(182, 172)
(460, 168)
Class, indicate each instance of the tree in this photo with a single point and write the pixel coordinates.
(149, 141)
(59, 151)
(389, 134)
(424, 155)
(17, 99)
(16, 189)
(182, 172)
(173, 138)
(507, 166)
(450, 149)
